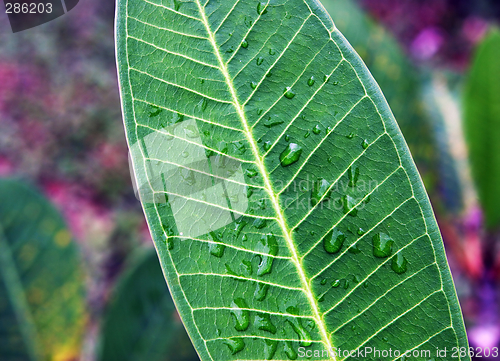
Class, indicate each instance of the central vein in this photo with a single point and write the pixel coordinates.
(267, 183)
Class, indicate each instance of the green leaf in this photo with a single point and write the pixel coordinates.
(42, 301)
(262, 105)
(482, 124)
(141, 322)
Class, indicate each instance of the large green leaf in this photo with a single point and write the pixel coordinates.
(42, 303)
(482, 124)
(141, 322)
(283, 202)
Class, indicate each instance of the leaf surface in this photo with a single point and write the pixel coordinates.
(42, 301)
(284, 204)
(482, 124)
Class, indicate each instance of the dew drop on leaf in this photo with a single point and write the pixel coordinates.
(287, 138)
(346, 284)
(241, 314)
(267, 145)
(235, 344)
(272, 51)
(250, 173)
(204, 104)
(260, 60)
(270, 348)
(316, 129)
(354, 249)
(364, 144)
(244, 44)
(326, 78)
(336, 283)
(323, 281)
(307, 134)
(350, 135)
(272, 121)
(244, 238)
(333, 241)
(360, 231)
(320, 191)
(303, 334)
(382, 245)
(269, 246)
(253, 85)
(311, 81)
(399, 263)
(353, 174)
(259, 223)
(261, 8)
(288, 92)
(349, 204)
(289, 351)
(263, 322)
(261, 291)
(291, 154)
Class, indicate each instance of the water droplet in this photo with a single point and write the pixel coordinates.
(244, 44)
(267, 245)
(307, 134)
(260, 60)
(336, 283)
(170, 243)
(272, 121)
(261, 291)
(239, 227)
(346, 284)
(259, 111)
(293, 310)
(385, 339)
(216, 249)
(321, 188)
(353, 176)
(360, 231)
(230, 50)
(253, 85)
(177, 4)
(333, 241)
(288, 92)
(330, 159)
(303, 334)
(289, 351)
(272, 51)
(350, 135)
(261, 8)
(267, 145)
(244, 238)
(156, 112)
(335, 83)
(364, 144)
(382, 245)
(291, 154)
(241, 314)
(321, 298)
(268, 75)
(185, 154)
(191, 131)
(353, 327)
(204, 104)
(259, 223)
(349, 204)
(323, 281)
(250, 173)
(311, 81)
(355, 249)
(263, 323)
(356, 279)
(270, 348)
(399, 263)
(287, 138)
(235, 344)
(326, 78)
(316, 129)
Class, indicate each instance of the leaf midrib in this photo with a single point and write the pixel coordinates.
(267, 182)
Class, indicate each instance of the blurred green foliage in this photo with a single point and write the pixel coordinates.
(141, 322)
(42, 303)
(482, 124)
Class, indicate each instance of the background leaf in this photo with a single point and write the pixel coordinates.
(285, 207)
(42, 303)
(141, 322)
(482, 124)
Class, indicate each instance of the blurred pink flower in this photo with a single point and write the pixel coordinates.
(6, 167)
(474, 29)
(427, 43)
